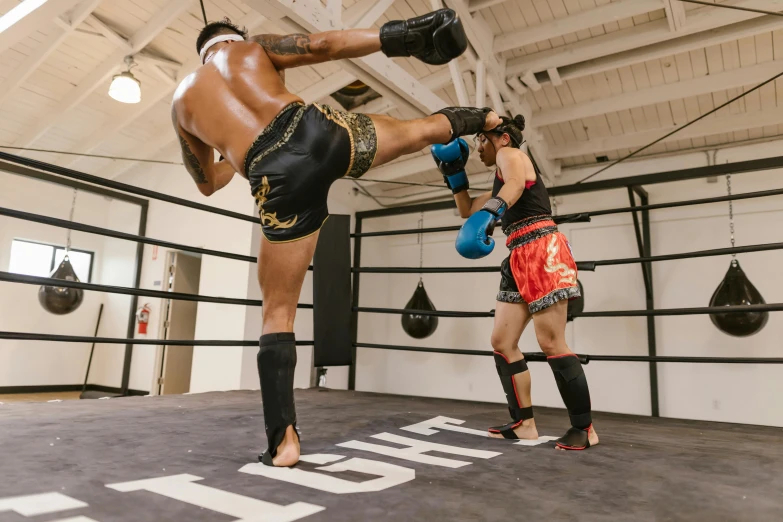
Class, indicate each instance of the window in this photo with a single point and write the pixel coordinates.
(39, 259)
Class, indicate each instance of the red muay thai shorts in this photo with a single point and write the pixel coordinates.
(540, 269)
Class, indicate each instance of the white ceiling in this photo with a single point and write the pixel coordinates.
(594, 78)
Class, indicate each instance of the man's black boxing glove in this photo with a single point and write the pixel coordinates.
(434, 38)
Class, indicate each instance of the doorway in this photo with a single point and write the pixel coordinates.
(183, 272)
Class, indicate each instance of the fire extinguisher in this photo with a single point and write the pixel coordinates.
(143, 318)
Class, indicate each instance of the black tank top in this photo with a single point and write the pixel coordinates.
(533, 202)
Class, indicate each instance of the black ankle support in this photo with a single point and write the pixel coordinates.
(465, 120)
(572, 383)
(506, 372)
(276, 363)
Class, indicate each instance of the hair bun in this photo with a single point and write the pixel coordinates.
(519, 121)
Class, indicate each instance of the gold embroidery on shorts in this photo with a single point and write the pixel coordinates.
(567, 275)
(335, 116)
(287, 133)
(270, 219)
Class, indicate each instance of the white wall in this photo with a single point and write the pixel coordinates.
(730, 393)
(34, 363)
(213, 367)
(117, 269)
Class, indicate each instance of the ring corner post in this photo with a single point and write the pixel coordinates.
(332, 312)
(646, 251)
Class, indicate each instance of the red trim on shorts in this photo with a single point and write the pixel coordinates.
(530, 228)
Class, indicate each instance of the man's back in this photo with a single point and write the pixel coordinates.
(230, 99)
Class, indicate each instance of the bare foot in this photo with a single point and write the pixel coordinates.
(527, 431)
(592, 438)
(288, 450)
(493, 120)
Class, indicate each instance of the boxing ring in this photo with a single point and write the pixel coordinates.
(372, 456)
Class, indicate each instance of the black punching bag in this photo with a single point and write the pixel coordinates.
(736, 290)
(576, 306)
(419, 326)
(58, 300)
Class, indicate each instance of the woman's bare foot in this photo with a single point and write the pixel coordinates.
(592, 439)
(493, 120)
(527, 431)
(288, 450)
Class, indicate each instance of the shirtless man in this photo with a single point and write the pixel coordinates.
(536, 280)
(291, 153)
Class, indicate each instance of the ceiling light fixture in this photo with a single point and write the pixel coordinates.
(125, 87)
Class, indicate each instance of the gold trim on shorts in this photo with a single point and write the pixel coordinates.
(296, 238)
(360, 124)
(283, 139)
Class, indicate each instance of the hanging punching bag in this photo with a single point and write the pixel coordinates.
(58, 300)
(576, 306)
(419, 326)
(736, 289)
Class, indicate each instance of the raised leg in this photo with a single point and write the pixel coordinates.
(281, 272)
(399, 137)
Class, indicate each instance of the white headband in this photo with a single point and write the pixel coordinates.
(217, 39)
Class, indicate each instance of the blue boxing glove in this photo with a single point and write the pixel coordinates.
(451, 159)
(473, 239)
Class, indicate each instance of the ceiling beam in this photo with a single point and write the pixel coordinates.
(325, 87)
(662, 93)
(480, 37)
(104, 70)
(57, 35)
(574, 23)
(109, 33)
(675, 14)
(17, 23)
(372, 15)
(718, 36)
(359, 10)
(703, 19)
(706, 127)
(475, 5)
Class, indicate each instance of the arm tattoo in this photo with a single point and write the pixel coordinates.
(291, 44)
(192, 164)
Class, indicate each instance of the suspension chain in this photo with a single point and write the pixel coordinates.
(73, 208)
(731, 213)
(421, 244)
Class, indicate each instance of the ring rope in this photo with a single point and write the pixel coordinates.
(24, 336)
(9, 277)
(581, 265)
(585, 358)
(579, 217)
(736, 309)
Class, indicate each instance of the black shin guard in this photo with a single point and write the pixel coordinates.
(465, 120)
(572, 383)
(506, 372)
(276, 363)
